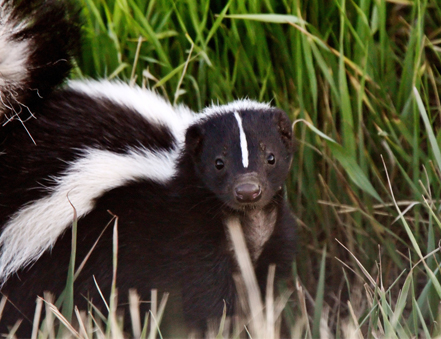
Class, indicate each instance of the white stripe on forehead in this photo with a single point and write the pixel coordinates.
(238, 105)
(243, 141)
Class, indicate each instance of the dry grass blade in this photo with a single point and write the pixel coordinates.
(2, 305)
(246, 268)
(54, 310)
(135, 317)
(156, 313)
(80, 267)
(365, 272)
(98, 330)
(161, 310)
(178, 91)
(11, 334)
(135, 62)
(80, 319)
(115, 329)
(304, 310)
(101, 294)
(280, 303)
(37, 316)
(269, 303)
(49, 320)
(353, 329)
(153, 313)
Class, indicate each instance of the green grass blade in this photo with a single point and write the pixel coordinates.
(353, 170)
(432, 139)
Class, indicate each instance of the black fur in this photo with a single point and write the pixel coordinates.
(52, 34)
(68, 122)
(172, 234)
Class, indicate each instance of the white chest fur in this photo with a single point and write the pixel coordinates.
(257, 227)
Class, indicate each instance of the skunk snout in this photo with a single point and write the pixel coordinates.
(248, 189)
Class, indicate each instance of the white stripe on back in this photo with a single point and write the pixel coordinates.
(36, 227)
(147, 103)
(243, 141)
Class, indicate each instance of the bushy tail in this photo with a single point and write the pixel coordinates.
(38, 39)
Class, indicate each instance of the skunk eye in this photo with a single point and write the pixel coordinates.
(271, 159)
(219, 164)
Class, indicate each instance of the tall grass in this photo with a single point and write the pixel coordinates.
(361, 78)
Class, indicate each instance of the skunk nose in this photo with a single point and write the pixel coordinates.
(248, 192)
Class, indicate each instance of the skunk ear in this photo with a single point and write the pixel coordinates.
(194, 139)
(284, 127)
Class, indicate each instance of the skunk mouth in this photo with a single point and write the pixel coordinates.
(243, 207)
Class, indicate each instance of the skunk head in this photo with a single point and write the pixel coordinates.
(242, 154)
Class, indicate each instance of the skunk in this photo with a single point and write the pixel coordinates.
(93, 149)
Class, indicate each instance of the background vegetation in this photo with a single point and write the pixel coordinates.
(361, 79)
